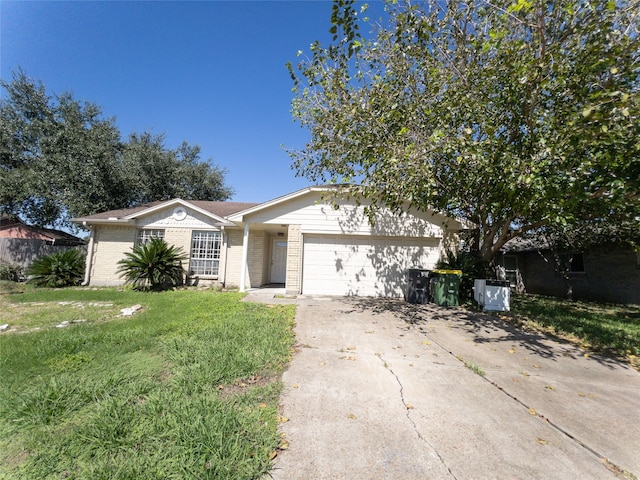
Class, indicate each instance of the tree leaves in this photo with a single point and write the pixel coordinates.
(511, 115)
(60, 158)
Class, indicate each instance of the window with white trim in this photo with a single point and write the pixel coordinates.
(205, 253)
(143, 235)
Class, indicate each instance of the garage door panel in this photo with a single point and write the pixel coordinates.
(365, 266)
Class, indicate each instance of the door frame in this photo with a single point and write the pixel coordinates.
(282, 263)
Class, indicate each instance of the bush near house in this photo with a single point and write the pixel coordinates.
(11, 272)
(188, 387)
(154, 265)
(63, 269)
(471, 266)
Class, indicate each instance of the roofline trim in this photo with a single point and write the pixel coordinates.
(239, 216)
(129, 219)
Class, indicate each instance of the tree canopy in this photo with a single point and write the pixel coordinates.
(61, 158)
(513, 115)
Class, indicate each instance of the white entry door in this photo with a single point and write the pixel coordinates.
(278, 261)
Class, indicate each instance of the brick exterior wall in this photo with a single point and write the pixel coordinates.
(110, 245)
(255, 275)
(611, 275)
(234, 257)
(112, 242)
(255, 256)
(294, 260)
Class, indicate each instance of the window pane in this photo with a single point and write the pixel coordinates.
(205, 253)
(144, 235)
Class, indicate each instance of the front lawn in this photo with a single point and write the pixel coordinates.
(613, 329)
(187, 387)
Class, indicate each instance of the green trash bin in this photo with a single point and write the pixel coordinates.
(445, 287)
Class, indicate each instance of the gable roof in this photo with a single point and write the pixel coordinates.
(226, 213)
(239, 215)
(215, 209)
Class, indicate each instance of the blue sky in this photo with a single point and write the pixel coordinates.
(209, 73)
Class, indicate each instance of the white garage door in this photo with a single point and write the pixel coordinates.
(361, 265)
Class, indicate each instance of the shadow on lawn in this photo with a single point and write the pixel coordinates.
(482, 327)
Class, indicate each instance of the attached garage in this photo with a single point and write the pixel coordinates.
(335, 247)
(362, 265)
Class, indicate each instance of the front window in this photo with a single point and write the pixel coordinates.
(572, 262)
(510, 263)
(205, 253)
(146, 234)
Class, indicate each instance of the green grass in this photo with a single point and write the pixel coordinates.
(186, 388)
(613, 329)
(474, 368)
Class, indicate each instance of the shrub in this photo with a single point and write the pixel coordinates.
(154, 265)
(62, 269)
(11, 272)
(472, 267)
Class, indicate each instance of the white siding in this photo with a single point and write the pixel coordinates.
(315, 216)
(164, 219)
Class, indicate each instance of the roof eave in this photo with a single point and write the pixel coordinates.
(238, 217)
(177, 201)
(101, 221)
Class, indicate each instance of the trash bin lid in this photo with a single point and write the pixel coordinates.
(498, 283)
(418, 272)
(447, 272)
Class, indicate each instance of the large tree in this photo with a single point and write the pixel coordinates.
(158, 173)
(60, 158)
(511, 115)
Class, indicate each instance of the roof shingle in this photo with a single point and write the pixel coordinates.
(220, 209)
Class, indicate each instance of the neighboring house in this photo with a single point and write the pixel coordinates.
(299, 240)
(606, 273)
(20, 243)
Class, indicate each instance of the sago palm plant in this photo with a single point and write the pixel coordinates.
(153, 265)
(63, 269)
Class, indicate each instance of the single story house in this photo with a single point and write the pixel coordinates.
(20, 243)
(605, 272)
(301, 240)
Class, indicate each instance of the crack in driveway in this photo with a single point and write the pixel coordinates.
(408, 408)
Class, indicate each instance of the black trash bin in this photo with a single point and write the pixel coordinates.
(417, 289)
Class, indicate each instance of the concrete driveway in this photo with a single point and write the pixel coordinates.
(380, 389)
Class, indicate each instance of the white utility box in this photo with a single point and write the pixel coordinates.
(493, 295)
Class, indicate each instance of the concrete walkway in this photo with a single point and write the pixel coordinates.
(380, 389)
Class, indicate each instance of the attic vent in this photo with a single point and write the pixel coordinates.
(179, 213)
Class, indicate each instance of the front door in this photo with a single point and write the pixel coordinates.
(278, 261)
